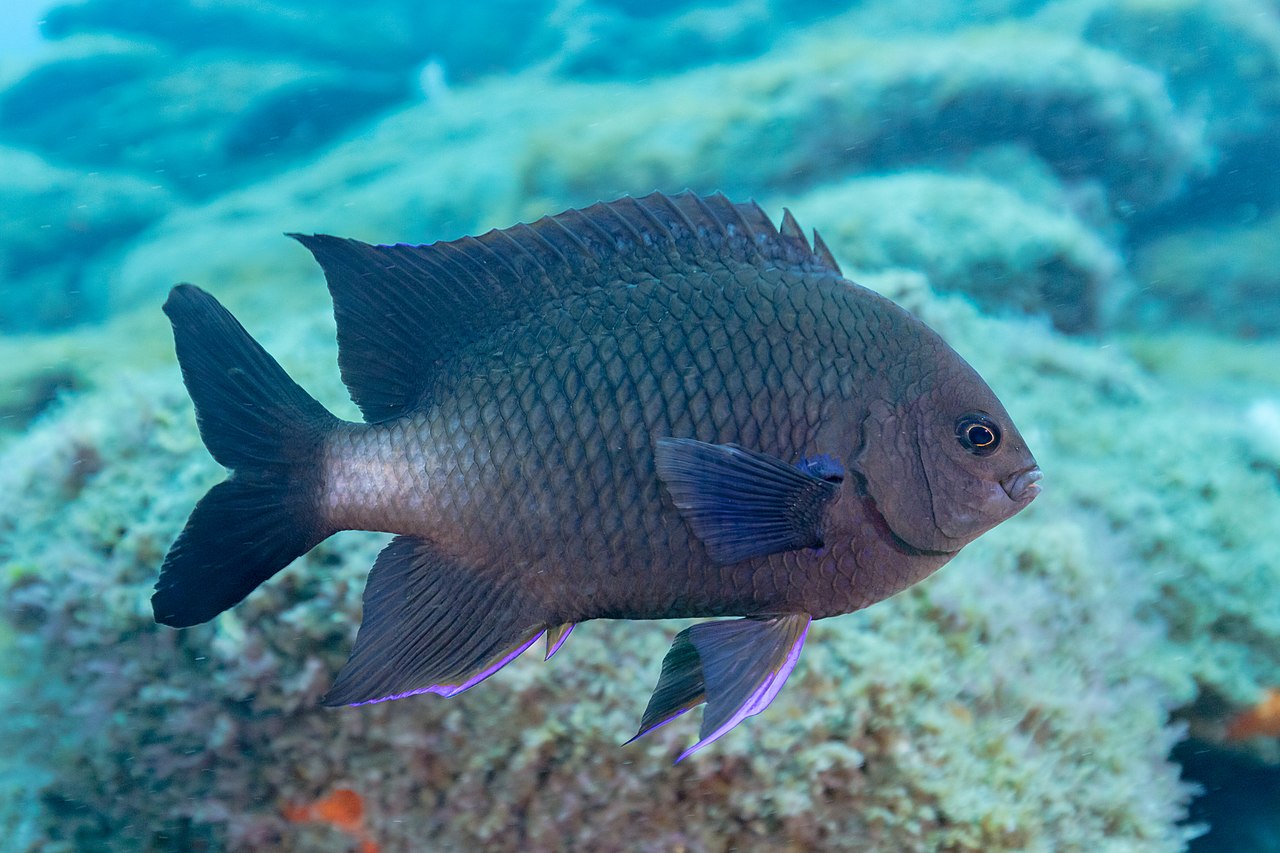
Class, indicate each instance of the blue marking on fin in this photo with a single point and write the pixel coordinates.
(742, 503)
(822, 466)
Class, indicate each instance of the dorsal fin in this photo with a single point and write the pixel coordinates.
(820, 249)
(403, 310)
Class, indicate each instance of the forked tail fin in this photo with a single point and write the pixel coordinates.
(258, 422)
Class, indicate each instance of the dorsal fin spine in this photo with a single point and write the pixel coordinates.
(639, 238)
(671, 205)
(663, 232)
(791, 229)
(528, 232)
(589, 221)
(492, 260)
(449, 271)
(490, 265)
(462, 262)
(764, 230)
(505, 235)
(554, 222)
(709, 215)
(824, 254)
(751, 235)
(558, 224)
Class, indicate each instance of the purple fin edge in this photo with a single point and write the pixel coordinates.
(455, 689)
(659, 724)
(757, 701)
(552, 648)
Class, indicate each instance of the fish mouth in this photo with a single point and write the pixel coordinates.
(1023, 486)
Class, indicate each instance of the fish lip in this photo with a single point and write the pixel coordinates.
(1022, 486)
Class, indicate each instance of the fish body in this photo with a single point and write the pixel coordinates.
(652, 408)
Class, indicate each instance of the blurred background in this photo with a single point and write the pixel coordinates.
(1083, 197)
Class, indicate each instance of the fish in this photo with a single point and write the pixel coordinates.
(649, 408)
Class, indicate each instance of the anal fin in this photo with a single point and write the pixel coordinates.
(737, 667)
(431, 626)
(556, 635)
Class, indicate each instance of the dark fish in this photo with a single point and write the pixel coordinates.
(651, 408)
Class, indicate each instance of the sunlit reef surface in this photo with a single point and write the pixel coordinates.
(1081, 196)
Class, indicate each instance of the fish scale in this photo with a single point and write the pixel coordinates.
(657, 407)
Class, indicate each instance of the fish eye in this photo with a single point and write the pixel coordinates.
(978, 433)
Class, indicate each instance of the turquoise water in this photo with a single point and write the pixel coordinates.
(1082, 197)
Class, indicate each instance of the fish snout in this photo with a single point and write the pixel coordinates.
(1023, 486)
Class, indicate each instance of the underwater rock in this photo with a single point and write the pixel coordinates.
(587, 38)
(76, 71)
(1222, 64)
(835, 107)
(659, 37)
(197, 122)
(1221, 59)
(779, 124)
(56, 222)
(395, 36)
(1218, 277)
(977, 237)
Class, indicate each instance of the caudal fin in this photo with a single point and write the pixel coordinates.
(258, 422)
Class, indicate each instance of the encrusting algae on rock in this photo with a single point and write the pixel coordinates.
(651, 408)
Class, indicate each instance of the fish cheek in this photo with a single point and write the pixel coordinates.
(961, 493)
(892, 463)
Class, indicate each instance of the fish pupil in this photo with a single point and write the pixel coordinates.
(978, 434)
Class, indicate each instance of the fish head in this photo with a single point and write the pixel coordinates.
(945, 464)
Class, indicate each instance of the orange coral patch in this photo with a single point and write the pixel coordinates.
(1262, 720)
(342, 808)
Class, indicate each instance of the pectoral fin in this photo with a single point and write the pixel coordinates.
(742, 503)
(737, 667)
